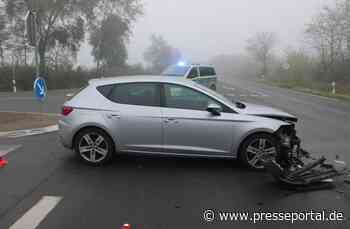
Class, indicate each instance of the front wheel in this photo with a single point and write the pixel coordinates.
(257, 148)
(93, 146)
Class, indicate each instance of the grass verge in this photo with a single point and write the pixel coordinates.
(344, 97)
(11, 121)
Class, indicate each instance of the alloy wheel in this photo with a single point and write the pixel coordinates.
(258, 150)
(93, 147)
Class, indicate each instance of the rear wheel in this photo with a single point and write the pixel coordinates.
(93, 146)
(257, 148)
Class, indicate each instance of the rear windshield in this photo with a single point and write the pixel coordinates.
(72, 94)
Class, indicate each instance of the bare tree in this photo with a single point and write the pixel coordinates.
(160, 54)
(260, 46)
(329, 35)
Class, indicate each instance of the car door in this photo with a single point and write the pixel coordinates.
(137, 117)
(193, 73)
(191, 130)
(207, 76)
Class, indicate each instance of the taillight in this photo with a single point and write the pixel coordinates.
(66, 110)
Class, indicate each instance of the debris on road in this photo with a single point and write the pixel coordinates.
(3, 162)
(126, 226)
(347, 180)
(297, 169)
(4, 150)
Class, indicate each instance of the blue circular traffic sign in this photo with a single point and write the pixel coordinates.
(40, 88)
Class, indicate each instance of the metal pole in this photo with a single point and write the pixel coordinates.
(13, 74)
(37, 69)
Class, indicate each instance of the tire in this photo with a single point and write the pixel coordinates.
(94, 146)
(257, 147)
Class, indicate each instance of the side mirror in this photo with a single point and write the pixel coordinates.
(214, 109)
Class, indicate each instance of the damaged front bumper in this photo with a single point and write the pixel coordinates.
(295, 167)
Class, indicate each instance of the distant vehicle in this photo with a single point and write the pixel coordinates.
(202, 74)
(170, 116)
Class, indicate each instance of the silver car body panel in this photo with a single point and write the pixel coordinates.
(160, 130)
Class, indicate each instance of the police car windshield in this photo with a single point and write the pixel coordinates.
(176, 70)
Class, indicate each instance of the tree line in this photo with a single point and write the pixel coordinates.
(323, 58)
(63, 26)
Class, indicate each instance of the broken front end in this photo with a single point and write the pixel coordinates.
(295, 167)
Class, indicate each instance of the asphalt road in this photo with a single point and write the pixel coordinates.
(157, 193)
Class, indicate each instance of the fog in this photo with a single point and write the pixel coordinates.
(202, 29)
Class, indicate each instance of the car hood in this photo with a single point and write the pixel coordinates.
(268, 112)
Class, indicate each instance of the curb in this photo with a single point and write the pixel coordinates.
(29, 132)
(33, 113)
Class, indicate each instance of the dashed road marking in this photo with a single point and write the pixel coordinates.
(34, 216)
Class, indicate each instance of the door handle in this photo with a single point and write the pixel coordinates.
(168, 120)
(110, 116)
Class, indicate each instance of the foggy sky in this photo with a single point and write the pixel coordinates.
(205, 28)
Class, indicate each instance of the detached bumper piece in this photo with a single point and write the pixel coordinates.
(304, 176)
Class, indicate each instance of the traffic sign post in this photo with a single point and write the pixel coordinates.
(40, 91)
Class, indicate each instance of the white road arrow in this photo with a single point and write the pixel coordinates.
(41, 88)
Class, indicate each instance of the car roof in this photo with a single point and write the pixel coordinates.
(143, 78)
(202, 65)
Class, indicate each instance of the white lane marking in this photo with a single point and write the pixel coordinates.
(228, 88)
(33, 217)
(29, 132)
(231, 95)
(5, 149)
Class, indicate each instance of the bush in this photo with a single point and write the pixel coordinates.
(25, 76)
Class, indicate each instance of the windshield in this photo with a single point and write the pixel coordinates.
(176, 70)
(215, 94)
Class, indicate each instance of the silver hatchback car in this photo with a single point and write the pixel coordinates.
(170, 116)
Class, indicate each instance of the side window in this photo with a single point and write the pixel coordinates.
(207, 71)
(142, 94)
(193, 73)
(105, 90)
(185, 98)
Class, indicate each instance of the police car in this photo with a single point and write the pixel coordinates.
(202, 74)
